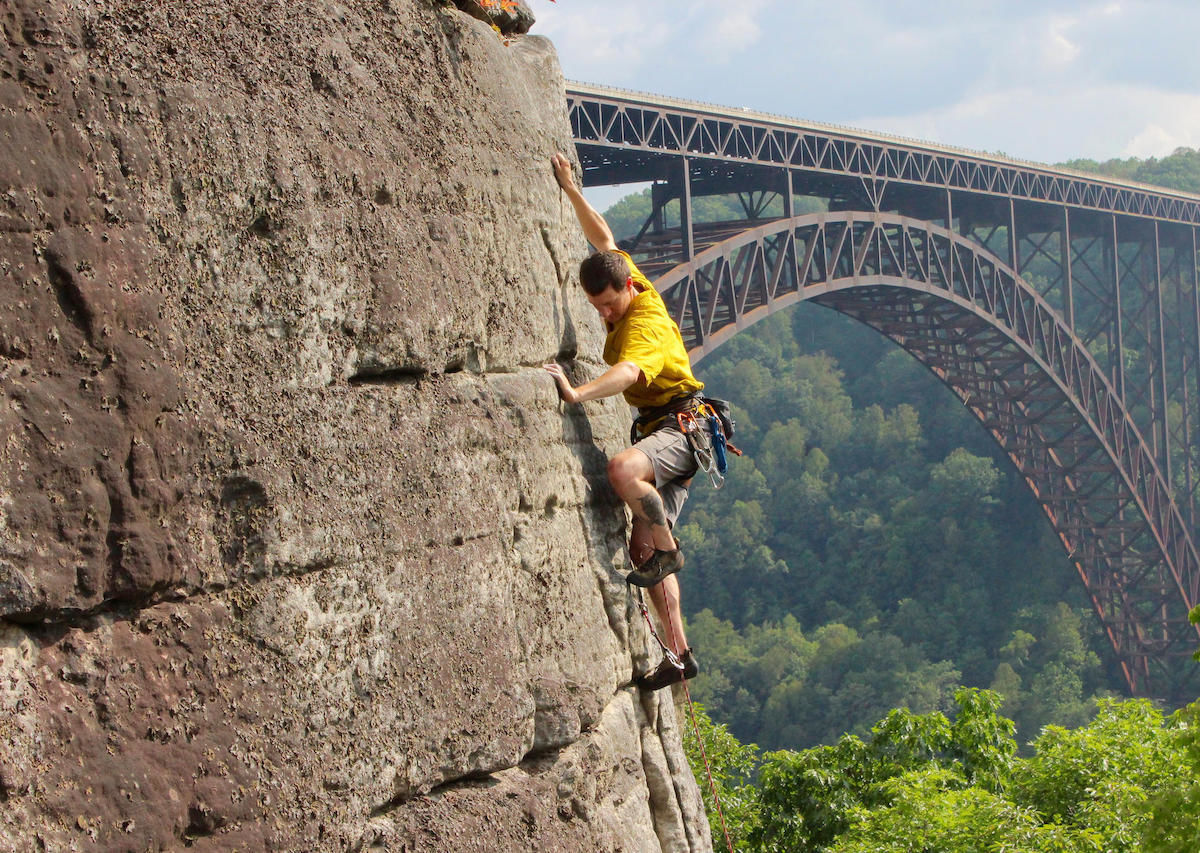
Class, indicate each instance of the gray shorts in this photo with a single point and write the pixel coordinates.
(674, 466)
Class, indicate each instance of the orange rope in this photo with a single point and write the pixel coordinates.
(704, 754)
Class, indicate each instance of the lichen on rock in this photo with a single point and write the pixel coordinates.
(509, 17)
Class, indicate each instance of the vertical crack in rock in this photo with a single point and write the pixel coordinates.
(568, 343)
(70, 297)
(119, 498)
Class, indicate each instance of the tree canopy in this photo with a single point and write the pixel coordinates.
(1179, 170)
(1123, 782)
(861, 555)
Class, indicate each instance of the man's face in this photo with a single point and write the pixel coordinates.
(612, 303)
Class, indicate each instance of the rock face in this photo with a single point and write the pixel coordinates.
(298, 548)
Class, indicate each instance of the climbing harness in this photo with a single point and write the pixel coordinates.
(707, 424)
(674, 660)
(653, 418)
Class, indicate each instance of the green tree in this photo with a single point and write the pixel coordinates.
(963, 482)
(731, 765)
(935, 809)
(810, 798)
(1053, 664)
(1174, 822)
(807, 797)
(981, 741)
(1179, 170)
(922, 783)
(1098, 775)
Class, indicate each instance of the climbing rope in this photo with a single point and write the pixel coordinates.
(674, 660)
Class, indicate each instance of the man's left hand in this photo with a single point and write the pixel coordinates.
(565, 389)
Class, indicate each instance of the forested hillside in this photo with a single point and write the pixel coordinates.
(873, 549)
(1179, 170)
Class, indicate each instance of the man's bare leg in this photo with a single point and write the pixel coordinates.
(632, 477)
(664, 596)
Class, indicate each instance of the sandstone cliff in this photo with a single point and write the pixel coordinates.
(298, 549)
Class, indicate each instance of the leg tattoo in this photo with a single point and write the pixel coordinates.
(652, 509)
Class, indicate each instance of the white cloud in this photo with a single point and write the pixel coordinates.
(728, 28)
(623, 41)
(1175, 124)
(1045, 81)
(1057, 49)
(614, 46)
(1050, 126)
(735, 32)
(1152, 141)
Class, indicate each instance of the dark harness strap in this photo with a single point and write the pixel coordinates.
(646, 417)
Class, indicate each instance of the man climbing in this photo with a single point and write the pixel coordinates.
(650, 366)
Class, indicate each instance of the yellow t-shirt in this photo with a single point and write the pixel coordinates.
(648, 337)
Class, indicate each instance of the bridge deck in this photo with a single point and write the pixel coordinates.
(626, 137)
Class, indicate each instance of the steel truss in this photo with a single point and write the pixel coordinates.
(1022, 372)
(638, 130)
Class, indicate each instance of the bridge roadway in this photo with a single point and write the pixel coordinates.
(1062, 308)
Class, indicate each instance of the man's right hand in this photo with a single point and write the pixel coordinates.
(562, 171)
(613, 381)
(594, 227)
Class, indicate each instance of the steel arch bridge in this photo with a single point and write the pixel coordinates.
(1062, 309)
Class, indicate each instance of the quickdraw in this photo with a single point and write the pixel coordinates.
(702, 428)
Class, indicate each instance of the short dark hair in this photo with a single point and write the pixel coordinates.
(603, 269)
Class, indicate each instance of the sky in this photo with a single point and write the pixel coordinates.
(1044, 81)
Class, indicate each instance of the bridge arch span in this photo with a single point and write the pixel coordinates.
(1019, 369)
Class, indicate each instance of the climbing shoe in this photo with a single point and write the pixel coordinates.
(654, 570)
(666, 673)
